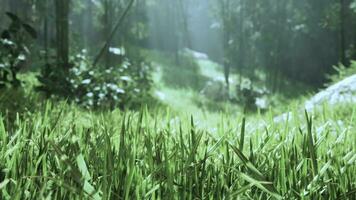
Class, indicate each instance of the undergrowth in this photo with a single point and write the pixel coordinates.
(63, 152)
(342, 72)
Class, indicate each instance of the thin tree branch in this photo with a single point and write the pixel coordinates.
(117, 26)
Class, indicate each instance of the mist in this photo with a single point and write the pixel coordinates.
(177, 99)
(234, 52)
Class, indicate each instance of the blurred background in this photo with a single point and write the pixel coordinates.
(198, 56)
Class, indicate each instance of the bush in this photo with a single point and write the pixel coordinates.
(13, 50)
(127, 85)
(342, 72)
(185, 74)
(252, 98)
(215, 90)
(17, 103)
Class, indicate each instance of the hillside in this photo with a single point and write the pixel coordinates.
(178, 99)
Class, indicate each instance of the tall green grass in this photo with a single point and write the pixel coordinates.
(62, 152)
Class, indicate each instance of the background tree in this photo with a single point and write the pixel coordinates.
(62, 33)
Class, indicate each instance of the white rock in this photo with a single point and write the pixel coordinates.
(196, 54)
(341, 92)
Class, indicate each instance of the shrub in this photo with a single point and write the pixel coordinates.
(215, 90)
(342, 72)
(185, 74)
(17, 103)
(13, 50)
(252, 98)
(126, 86)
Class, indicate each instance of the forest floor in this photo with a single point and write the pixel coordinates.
(188, 101)
(64, 152)
(189, 151)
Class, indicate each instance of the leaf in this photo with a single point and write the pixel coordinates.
(311, 145)
(30, 30)
(87, 187)
(255, 173)
(83, 167)
(3, 133)
(242, 135)
(4, 183)
(152, 190)
(261, 185)
(215, 146)
(13, 17)
(241, 190)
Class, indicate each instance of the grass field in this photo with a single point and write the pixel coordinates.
(63, 152)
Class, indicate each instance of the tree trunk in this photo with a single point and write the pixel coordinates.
(242, 43)
(62, 26)
(107, 29)
(174, 32)
(184, 14)
(45, 32)
(343, 9)
(354, 40)
(226, 37)
(88, 26)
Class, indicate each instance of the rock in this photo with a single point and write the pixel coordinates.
(197, 55)
(262, 103)
(215, 90)
(283, 117)
(341, 92)
(160, 95)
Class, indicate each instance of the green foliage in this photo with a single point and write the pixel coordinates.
(16, 102)
(185, 73)
(64, 153)
(10, 62)
(19, 102)
(127, 85)
(250, 30)
(342, 72)
(248, 96)
(205, 103)
(54, 81)
(13, 50)
(353, 6)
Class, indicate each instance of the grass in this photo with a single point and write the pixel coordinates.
(62, 152)
(342, 72)
(185, 100)
(54, 150)
(184, 73)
